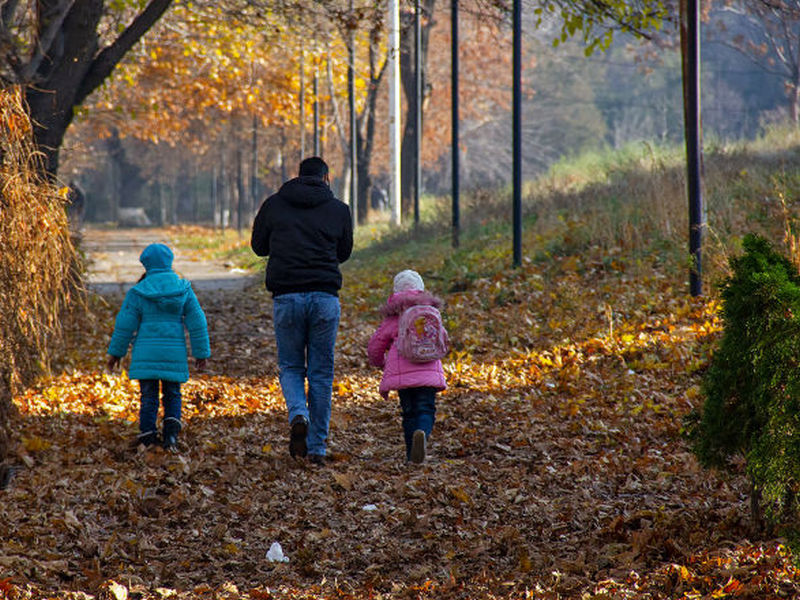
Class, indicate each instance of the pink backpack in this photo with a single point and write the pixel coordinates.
(421, 336)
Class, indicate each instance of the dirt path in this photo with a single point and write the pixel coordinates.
(114, 262)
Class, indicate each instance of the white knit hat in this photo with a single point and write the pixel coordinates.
(408, 280)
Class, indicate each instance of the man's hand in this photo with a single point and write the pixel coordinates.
(200, 363)
(113, 362)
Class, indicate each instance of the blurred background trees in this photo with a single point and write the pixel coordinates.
(202, 117)
(216, 106)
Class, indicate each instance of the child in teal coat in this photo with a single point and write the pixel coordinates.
(153, 317)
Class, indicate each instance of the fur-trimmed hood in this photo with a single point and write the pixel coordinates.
(400, 301)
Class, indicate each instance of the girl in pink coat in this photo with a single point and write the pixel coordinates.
(416, 383)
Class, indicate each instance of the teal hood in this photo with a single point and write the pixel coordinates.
(157, 257)
(164, 288)
(161, 284)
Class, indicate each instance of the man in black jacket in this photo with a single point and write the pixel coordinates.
(307, 233)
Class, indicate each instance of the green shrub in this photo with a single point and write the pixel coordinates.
(752, 388)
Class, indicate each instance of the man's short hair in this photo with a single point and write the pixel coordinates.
(313, 167)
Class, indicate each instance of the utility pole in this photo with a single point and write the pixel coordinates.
(454, 118)
(302, 101)
(517, 127)
(394, 111)
(316, 109)
(417, 108)
(690, 51)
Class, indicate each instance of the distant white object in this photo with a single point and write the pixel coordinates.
(275, 553)
(133, 216)
(369, 507)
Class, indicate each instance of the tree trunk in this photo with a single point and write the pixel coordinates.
(128, 179)
(756, 511)
(71, 65)
(240, 194)
(407, 149)
(344, 188)
(255, 186)
(366, 128)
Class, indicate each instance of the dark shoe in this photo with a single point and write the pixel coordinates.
(297, 437)
(148, 439)
(317, 459)
(172, 427)
(417, 454)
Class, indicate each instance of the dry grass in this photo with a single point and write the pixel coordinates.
(38, 271)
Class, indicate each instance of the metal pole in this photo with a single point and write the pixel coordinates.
(517, 127)
(454, 118)
(417, 109)
(302, 101)
(394, 110)
(351, 97)
(316, 110)
(690, 46)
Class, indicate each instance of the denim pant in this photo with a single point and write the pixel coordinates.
(418, 405)
(148, 410)
(305, 331)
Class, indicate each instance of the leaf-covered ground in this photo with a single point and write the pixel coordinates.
(557, 467)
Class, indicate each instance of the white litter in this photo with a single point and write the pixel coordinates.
(369, 507)
(275, 553)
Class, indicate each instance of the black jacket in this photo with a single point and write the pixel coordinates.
(306, 232)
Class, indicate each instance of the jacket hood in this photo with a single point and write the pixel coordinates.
(400, 301)
(164, 286)
(306, 192)
(156, 257)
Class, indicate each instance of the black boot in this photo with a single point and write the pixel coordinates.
(172, 428)
(148, 438)
(297, 437)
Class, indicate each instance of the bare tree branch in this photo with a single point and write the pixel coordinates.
(104, 63)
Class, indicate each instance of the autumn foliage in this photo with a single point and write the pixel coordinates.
(557, 466)
(557, 469)
(38, 256)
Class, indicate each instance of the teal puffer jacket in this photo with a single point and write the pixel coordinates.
(153, 316)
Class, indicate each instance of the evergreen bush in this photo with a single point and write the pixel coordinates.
(752, 387)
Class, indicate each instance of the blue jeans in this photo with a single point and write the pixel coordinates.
(305, 331)
(148, 410)
(418, 405)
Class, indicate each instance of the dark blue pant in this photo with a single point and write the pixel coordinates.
(305, 331)
(418, 406)
(170, 398)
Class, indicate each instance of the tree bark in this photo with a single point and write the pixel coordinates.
(72, 65)
(407, 79)
(240, 194)
(756, 510)
(366, 130)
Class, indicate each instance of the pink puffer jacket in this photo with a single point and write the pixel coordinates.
(398, 372)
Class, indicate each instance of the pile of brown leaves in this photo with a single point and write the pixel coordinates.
(557, 467)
